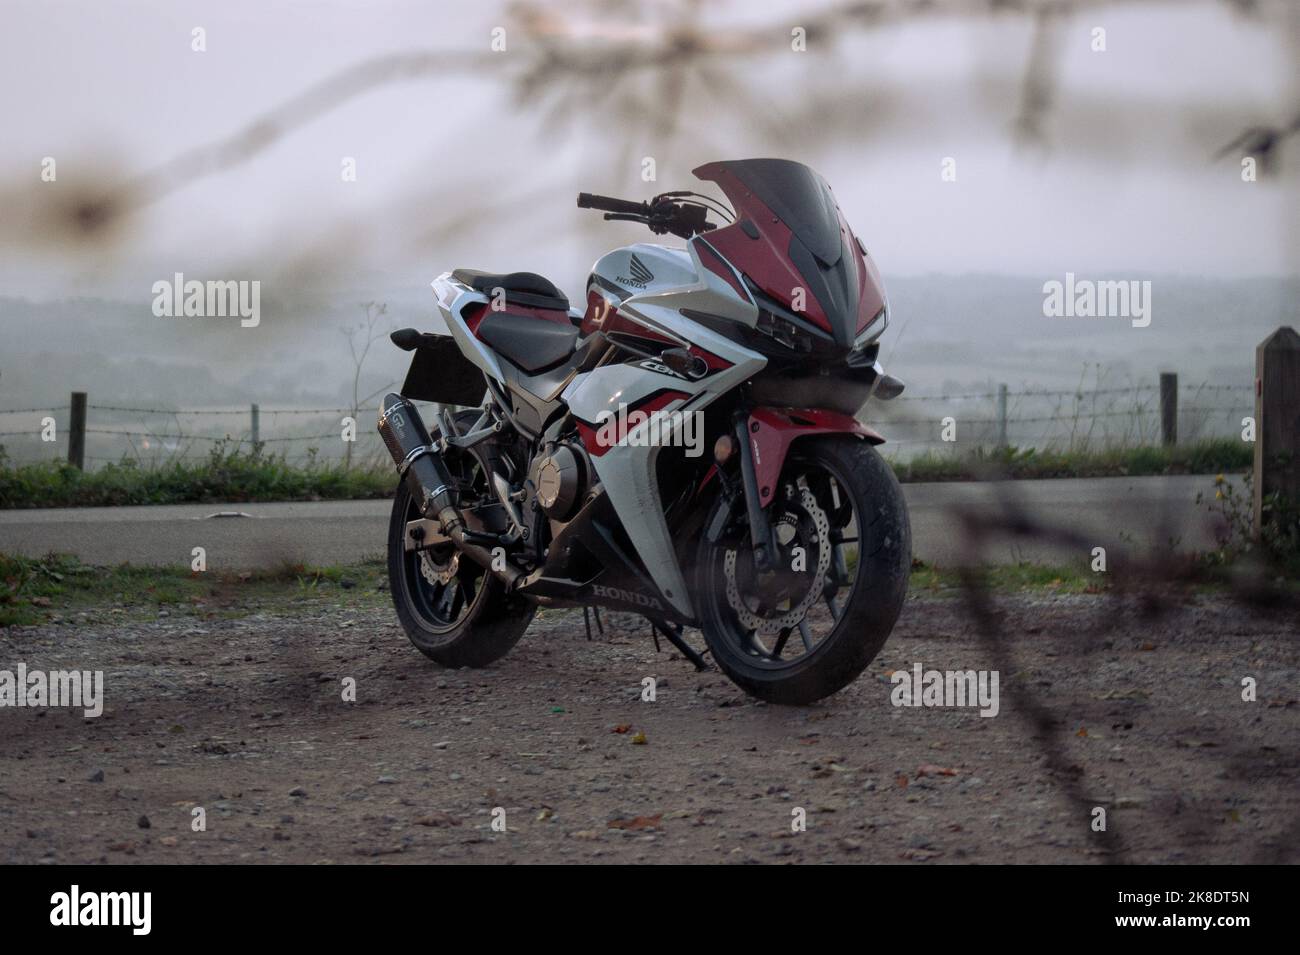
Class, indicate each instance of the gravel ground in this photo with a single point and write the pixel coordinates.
(244, 717)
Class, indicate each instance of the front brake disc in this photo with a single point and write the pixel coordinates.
(764, 625)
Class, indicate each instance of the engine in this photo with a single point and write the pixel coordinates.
(559, 478)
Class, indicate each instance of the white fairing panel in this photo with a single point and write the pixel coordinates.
(452, 298)
(675, 280)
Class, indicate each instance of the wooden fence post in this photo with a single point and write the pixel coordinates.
(255, 424)
(77, 430)
(1277, 421)
(1168, 408)
(1002, 416)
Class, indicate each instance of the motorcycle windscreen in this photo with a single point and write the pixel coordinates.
(789, 234)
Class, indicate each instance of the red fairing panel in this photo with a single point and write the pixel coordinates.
(590, 434)
(766, 260)
(870, 285)
(711, 261)
(773, 430)
(598, 310)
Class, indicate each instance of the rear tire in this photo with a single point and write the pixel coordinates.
(879, 582)
(469, 621)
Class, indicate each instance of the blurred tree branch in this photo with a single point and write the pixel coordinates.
(577, 63)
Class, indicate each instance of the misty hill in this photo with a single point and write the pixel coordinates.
(948, 334)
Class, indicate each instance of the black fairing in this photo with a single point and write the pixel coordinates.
(800, 198)
(819, 244)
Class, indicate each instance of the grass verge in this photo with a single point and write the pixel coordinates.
(225, 476)
(59, 587)
(42, 590)
(1009, 578)
(1217, 456)
(238, 476)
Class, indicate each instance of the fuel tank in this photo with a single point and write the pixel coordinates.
(639, 269)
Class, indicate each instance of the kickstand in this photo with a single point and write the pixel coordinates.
(586, 620)
(674, 635)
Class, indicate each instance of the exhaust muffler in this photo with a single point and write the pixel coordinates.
(430, 484)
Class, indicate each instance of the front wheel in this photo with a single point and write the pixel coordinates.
(808, 627)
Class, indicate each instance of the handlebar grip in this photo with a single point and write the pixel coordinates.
(587, 200)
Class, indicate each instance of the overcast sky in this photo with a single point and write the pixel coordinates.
(1122, 183)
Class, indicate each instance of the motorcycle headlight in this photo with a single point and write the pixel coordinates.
(783, 331)
(874, 327)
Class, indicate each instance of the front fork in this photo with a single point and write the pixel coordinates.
(761, 535)
(765, 435)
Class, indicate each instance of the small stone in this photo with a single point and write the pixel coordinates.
(437, 820)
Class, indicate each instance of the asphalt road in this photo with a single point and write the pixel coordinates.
(1124, 515)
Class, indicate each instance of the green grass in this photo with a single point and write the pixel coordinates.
(35, 590)
(1010, 578)
(237, 476)
(226, 476)
(1216, 456)
(41, 590)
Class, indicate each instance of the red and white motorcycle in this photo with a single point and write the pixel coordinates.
(684, 447)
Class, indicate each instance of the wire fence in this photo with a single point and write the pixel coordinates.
(1078, 419)
(148, 435)
(914, 424)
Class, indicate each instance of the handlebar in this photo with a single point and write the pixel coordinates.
(587, 200)
(661, 214)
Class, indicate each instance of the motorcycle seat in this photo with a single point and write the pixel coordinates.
(531, 343)
(521, 288)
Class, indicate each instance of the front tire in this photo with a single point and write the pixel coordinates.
(796, 637)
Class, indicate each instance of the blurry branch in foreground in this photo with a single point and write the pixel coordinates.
(1262, 142)
(582, 59)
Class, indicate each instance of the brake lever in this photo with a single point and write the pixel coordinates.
(665, 218)
(657, 223)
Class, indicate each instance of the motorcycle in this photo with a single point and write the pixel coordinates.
(685, 446)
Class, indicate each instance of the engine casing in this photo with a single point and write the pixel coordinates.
(559, 480)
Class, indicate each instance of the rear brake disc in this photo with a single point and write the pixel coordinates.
(436, 573)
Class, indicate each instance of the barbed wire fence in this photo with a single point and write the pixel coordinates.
(1042, 419)
(154, 436)
(1077, 419)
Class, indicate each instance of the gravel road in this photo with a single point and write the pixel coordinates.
(239, 711)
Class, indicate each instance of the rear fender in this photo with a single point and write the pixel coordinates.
(773, 430)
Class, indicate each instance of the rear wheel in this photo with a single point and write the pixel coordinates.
(809, 627)
(453, 610)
